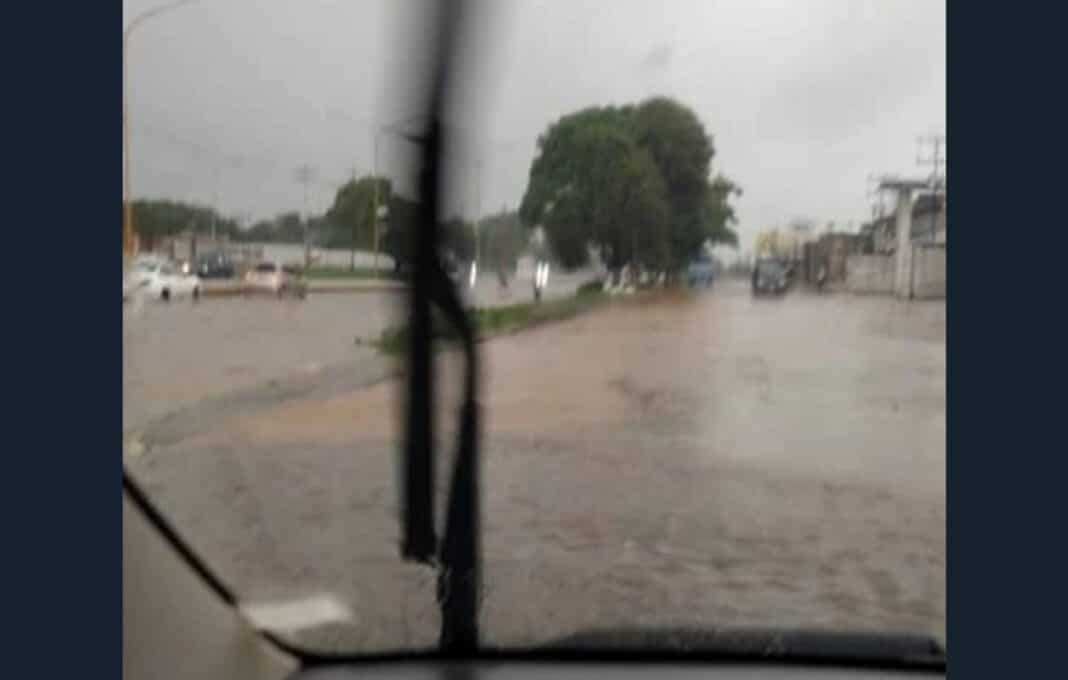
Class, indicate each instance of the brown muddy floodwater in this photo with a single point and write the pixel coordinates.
(699, 460)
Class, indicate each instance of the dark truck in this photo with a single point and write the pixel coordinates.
(769, 276)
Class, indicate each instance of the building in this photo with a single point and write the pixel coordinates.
(928, 225)
(911, 264)
(929, 219)
(831, 249)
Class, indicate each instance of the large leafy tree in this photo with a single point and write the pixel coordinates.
(592, 184)
(351, 216)
(632, 180)
(719, 213)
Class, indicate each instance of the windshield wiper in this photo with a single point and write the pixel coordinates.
(457, 557)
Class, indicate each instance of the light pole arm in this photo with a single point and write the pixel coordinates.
(148, 14)
(127, 195)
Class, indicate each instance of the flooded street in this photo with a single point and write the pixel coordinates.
(698, 460)
(177, 354)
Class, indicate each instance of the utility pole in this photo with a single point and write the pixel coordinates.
(937, 159)
(478, 208)
(876, 194)
(304, 175)
(352, 252)
(214, 206)
(374, 206)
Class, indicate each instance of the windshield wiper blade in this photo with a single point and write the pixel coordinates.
(801, 645)
(458, 555)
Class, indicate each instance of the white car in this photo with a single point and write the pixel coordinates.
(162, 280)
(274, 278)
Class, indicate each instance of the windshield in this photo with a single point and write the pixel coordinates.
(660, 447)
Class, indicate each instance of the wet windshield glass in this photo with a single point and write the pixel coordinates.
(667, 438)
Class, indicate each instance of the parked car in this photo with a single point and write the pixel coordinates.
(214, 266)
(277, 279)
(769, 276)
(700, 272)
(162, 280)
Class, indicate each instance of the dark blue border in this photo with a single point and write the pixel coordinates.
(1006, 405)
(1006, 417)
(62, 549)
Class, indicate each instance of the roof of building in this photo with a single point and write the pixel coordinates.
(928, 203)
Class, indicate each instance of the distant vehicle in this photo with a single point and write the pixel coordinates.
(274, 278)
(700, 272)
(163, 281)
(214, 266)
(769, 276)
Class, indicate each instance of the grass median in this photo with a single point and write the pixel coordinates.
(492, 321)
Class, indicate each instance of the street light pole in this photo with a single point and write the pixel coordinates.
(128, 220)
(374, 214)
(304, 176)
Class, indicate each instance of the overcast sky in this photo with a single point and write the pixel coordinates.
(804, 99)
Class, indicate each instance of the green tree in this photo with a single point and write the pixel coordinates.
(683, 152)
(592, 184)
(352, 215)
(632, 180)
(287, 227)
(719, 213)
(159, 218)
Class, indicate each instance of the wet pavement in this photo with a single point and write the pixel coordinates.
(700, 460)
(178, 354)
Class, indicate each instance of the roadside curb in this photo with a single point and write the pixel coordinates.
(230, 288)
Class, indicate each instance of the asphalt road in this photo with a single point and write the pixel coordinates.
(694, 460)
(178, 354)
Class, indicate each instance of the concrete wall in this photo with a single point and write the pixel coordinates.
(293, 253)
(184, 247)
(929, 272)
(870, 274)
